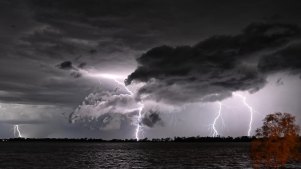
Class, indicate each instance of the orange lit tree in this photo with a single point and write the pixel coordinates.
(277, 141)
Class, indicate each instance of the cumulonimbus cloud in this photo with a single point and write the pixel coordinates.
(107, 109)
(209, 71)
(214, 68)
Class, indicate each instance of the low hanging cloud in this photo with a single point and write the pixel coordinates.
(214, 68)
(108, 121)
(151, 119)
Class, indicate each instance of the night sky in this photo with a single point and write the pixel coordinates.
(84, 68)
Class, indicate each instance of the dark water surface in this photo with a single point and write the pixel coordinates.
(124, 155)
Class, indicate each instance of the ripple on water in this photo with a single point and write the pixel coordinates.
(124, 155)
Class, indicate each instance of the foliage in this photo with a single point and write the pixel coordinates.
(277, 141)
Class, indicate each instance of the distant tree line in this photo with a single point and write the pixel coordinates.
(175, 139)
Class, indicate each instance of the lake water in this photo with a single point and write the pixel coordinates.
(124, 155)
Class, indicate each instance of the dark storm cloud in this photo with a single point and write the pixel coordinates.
(287, 59)
(37, 35)
(96, 29)
(26, 68)
(214, 68)
(107, 35)
(66, 65)
(82, 65)
(139, 24)
(151, 118)
(22, 121)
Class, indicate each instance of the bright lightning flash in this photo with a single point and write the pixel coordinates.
(139, 120)
(244, 100)
(17, 131)
(215, 132)
(141, 105)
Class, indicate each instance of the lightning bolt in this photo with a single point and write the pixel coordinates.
(244, 100)
(17, 131)
(141, 105)
(139, 120)
(215, 132)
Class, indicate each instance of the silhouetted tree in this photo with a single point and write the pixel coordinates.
(276, 141)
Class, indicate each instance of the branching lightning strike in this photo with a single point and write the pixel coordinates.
(244, 100)
(219, 113)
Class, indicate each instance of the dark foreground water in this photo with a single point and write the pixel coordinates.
(124, 155)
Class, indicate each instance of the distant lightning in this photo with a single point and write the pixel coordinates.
(141, 105)
(17, 131)
(244, 100)
(218, 116)
(139, 120)
(215, 132)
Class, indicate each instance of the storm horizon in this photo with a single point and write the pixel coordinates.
(136, 69)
